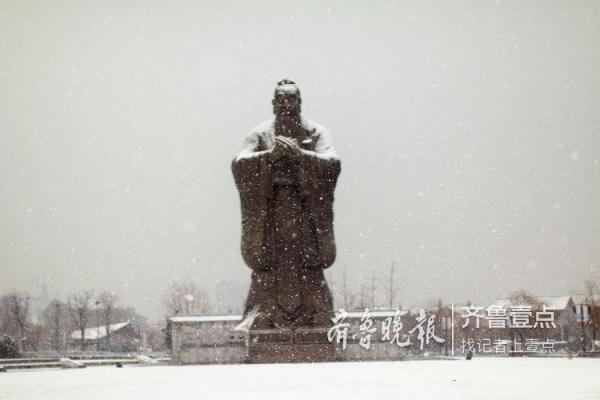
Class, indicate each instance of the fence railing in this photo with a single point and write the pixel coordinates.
(82, 361)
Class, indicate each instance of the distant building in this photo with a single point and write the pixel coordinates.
(124, 337)
(590, 316)
(386, 335)
(566, 332)
(206, 339)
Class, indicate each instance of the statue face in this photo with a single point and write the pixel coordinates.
(287, 101)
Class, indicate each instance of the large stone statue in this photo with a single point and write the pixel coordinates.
(286, 175)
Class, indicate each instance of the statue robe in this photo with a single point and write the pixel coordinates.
(287, 226)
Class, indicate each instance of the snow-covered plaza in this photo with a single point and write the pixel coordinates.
(480, 378)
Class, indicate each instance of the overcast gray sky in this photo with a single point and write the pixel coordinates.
(468, 133)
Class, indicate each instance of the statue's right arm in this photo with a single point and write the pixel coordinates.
(248, 170)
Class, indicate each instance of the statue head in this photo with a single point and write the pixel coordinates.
(286, 101)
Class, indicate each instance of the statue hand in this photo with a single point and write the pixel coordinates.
(277, 151)
(289, 146)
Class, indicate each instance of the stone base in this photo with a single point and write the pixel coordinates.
(230, 354)
(290, 345)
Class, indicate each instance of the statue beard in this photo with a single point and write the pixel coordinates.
(288, 124)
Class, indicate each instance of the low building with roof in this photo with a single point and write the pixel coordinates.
(562, 330)
(587, 309)
(395, 334)
(118, 337)
(206, 339)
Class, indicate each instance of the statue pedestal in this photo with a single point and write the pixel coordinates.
(289, 345)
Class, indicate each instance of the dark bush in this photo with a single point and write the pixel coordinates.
(8, 347)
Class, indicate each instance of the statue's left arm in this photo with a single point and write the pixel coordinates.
(319, 170)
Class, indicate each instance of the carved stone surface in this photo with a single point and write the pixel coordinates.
(290, 345)
(286, 175)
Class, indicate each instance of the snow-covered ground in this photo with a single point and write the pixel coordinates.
(480, 378)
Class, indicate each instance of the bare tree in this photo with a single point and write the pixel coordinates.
(344, 287)
(391, 286)
(80, 312)
(186, 297)
(523, 297)
(330, 278)
(107, 300)
(35, 335)
(362, 300)
(372, 289)
(593, 303)
(18, 307)
(54, 319)
(348, 299)
(4, 320)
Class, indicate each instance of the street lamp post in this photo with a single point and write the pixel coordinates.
(57, 326)
(97, 327)
(189, 298)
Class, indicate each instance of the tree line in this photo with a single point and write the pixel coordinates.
(50, 328)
